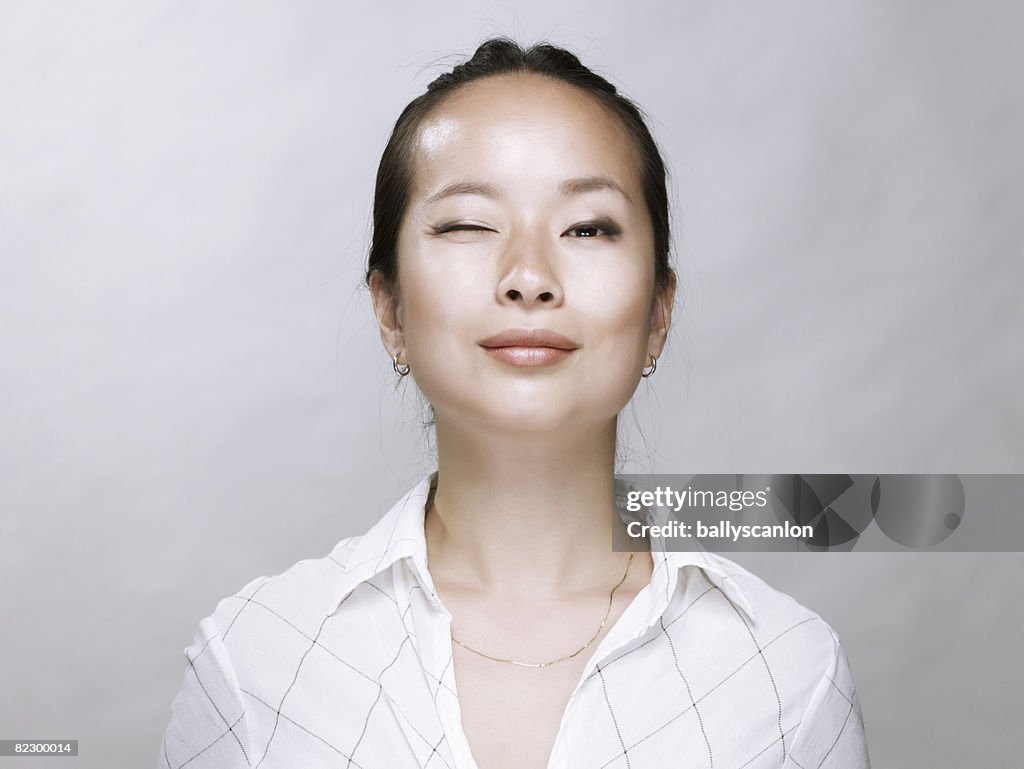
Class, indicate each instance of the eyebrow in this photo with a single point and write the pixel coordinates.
(570, 187)
(585, 184)
(463, 188)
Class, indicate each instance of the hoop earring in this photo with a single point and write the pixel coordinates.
(399, 371)
(654, 367)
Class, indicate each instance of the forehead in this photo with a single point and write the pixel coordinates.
(522, 129)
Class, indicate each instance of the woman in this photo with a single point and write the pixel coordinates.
(519, 272)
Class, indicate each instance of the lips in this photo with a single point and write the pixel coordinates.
(529, 337)
(529, 347)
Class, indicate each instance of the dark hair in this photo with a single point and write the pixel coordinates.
(499, 56)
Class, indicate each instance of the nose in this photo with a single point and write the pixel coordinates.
(527, 271)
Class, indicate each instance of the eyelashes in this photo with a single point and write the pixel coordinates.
(605, 227)
(441, 229)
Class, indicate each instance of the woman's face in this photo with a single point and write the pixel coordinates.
(526, 212)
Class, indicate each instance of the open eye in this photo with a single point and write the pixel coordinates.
(592, 230)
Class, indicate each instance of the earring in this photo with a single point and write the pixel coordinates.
(400, 371)
(654, 367)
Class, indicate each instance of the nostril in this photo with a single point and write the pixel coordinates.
(544, 296)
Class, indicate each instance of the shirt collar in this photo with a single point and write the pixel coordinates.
(718, 571)
(399, 535)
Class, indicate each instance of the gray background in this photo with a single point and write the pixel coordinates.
(193, 392)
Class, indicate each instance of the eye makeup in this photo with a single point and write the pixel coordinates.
(606, 226)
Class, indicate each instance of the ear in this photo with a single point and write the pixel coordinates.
(661, 316)
(385, 307)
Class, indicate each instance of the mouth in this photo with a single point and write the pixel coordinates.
(529, 347)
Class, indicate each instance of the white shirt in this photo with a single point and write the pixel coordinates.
(346, 661)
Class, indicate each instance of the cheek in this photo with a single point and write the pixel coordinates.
(620, 307)
(618, 333)
(439, 305)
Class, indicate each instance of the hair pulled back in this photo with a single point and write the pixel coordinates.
(500, 56)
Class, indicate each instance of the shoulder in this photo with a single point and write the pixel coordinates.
(298, 598)
(257, 639)
(786, 663)
(810, 676)
(272, 614)
(774, 608)
(285, 636)
(789, 637)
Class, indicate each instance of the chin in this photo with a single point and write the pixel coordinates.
(551, 417)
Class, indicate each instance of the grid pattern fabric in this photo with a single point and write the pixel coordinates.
(346, 661)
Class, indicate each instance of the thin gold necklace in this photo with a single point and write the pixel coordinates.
(600, 627)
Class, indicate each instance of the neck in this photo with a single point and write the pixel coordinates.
(527, 515)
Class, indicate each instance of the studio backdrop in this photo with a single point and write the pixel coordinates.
(193, 391)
